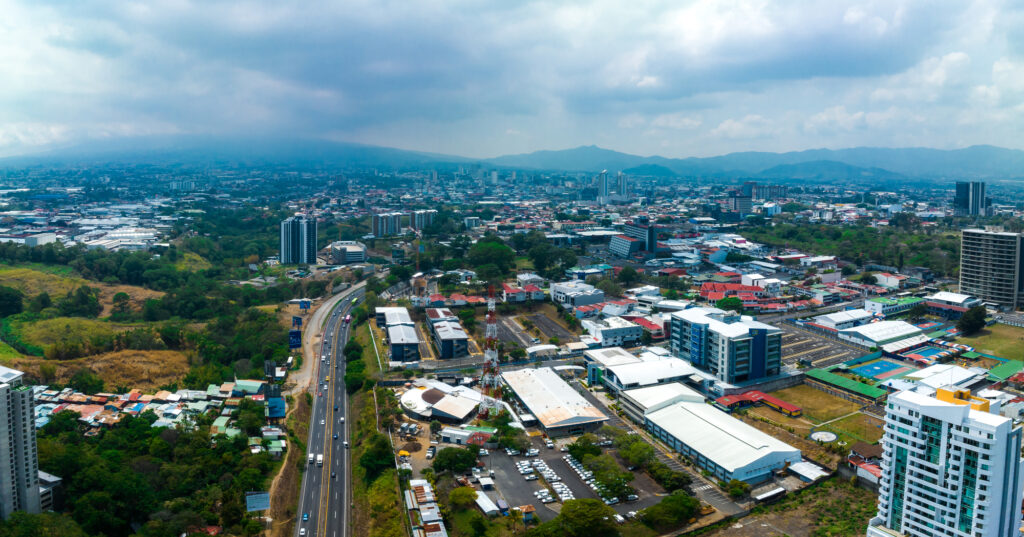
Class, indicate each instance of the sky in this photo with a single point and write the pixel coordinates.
(484, 78)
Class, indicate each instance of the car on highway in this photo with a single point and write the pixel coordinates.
(323, 422)
(333, 475)
(335, 436)
(305, 517)
(302, 531)
(335, 408)
(342, 420)
(345, 443)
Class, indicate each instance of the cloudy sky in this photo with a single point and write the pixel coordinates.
(480, 79)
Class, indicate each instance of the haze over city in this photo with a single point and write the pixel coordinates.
(486, 79)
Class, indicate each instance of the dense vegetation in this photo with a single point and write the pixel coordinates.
(894, 245)
(163, 480)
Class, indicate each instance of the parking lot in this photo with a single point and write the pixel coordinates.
(551, 329)
(513, 487)
(820, 351)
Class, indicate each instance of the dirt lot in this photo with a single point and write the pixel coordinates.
(145, 370)
(833, 508)
(859, 427)
(797, 438)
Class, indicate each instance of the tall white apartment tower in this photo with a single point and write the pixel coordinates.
(950, 468)
(19, 463)
(298, 240)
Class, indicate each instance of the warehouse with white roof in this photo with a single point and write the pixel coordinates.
(555, 404)
(880, 333)
(641, 374)
(638, 402)
(715, 441)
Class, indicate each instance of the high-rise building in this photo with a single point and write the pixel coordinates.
(642, 229)
(742, 204)
(19, 463)
(950, 467)
(603, 186)
(969, 199)
(622, 188)
(298, 240)
(423, 219)
(385, 224)
(991, 261)
(731, 347)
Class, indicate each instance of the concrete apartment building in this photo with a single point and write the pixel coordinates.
(990, 266)
(403, 341)
(950, 467)
(732, 347)
(298, 240)
(423, 219)
(19, 462)
(614, 331)
(385, 224)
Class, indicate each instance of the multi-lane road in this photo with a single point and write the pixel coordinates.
(323, 502)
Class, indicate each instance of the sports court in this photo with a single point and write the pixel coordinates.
(882, 369)
(927, 325)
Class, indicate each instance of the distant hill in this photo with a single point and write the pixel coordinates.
(975, 162)
(971, 162)
(650, 170)
(828, 169)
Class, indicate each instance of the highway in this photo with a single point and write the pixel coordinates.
(324, 492)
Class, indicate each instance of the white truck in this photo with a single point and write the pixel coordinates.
(320, 459)
(311, 457)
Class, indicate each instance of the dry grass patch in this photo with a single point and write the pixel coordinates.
(816, 404)
(1000, 340)
(145, 370)
(31, 282)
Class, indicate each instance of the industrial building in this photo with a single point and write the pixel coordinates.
(950, 305)
(990, 266)
(19, 461)
(553, 403)
(719, 443)
(639, 401)
(880, 333)
(450, 339)
(640, 374)
(950, 467)
(298, 240)
(345, 252)
(844, 319)
(403, 341)
(734, 348)
(432, 399)
(890, 306)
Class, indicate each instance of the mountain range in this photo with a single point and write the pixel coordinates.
(867, 163)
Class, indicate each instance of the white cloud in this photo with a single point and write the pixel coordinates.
(745, 128)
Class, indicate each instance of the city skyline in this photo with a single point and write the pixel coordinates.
(678, 80)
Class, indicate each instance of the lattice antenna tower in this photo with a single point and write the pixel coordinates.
(491, 379)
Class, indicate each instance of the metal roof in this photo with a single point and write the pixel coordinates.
(717, 436)
(551, 399)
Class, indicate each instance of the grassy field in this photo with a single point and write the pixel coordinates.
(49, 331)
(817, 405)
(1000, 340)
(7, 353)
(191, 262)
(858, 427)
(146, 370)
(57, 283)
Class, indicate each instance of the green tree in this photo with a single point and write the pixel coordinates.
(972, 321)
(587, 518)
(730, 303)
(610, 288)
(628, 275)
(461, 498)
(917, 310)
(671, 512)
(435, 426)
(10, 301)
(22, 524)
(486, 252)
(85, 381)
(585, 445)
(40, 302)
(638, 453)
(377, 457)
(456, 460)
(868, 278)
